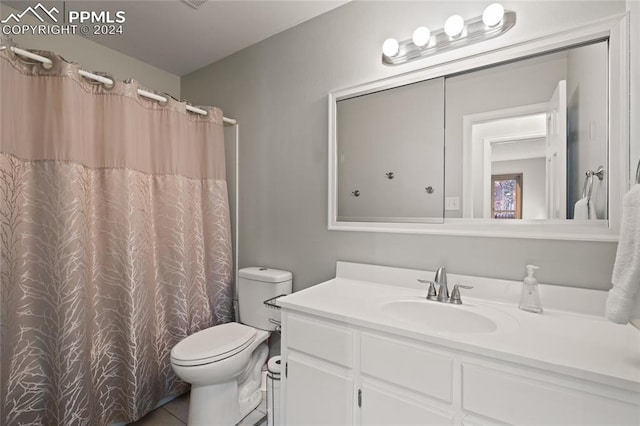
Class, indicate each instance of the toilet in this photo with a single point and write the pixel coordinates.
(224, 363)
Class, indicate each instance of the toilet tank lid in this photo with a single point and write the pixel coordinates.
(267, 275)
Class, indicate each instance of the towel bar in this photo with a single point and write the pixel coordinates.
(587, 188)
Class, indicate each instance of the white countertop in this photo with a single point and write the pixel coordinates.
(578, 342)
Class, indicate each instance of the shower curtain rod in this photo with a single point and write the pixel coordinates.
(47, 63)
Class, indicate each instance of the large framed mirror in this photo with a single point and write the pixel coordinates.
(526, 141)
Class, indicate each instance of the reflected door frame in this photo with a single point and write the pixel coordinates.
(470, 162)
(487, 181)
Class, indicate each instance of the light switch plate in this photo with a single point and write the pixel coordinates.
(452, 203)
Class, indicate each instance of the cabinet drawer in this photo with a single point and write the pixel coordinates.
(407, 365)
(516, 399)
(381, 407)
(320, 339)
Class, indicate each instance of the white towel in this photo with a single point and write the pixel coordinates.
(626, 270)
(581, 209)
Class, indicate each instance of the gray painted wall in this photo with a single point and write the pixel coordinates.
(94, 57)
(277, 89)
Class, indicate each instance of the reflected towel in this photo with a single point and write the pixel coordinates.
(626, 270)
(592, 210)
(581, 209)
(585, 209)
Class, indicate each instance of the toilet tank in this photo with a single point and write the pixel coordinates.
(255, 285)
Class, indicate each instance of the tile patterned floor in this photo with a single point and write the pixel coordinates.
(175, 413)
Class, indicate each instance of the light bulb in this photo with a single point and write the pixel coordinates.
(454, 25)
(390, 47)
(421, 36)
(493, 15)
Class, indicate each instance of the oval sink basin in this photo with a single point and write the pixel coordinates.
(441, 317)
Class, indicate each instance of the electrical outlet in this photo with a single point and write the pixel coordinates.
(452, 203)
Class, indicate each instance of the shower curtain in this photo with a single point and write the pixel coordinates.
(115, 243)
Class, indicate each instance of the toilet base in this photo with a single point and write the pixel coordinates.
(214, 404)
(226, 404)
(249, 393)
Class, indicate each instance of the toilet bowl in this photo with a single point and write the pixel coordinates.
(225, 376)
(224, 363)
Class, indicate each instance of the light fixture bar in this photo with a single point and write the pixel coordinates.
(475, 30)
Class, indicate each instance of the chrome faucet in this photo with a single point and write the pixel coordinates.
(443, 291)
(441, 281)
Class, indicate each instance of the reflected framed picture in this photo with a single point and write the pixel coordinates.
(506, 196)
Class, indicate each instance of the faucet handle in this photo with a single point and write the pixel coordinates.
(455, 293)
(431, 294)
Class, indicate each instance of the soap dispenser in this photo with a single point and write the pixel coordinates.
(530, 297)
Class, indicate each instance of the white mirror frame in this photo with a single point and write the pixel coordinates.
(616, 29)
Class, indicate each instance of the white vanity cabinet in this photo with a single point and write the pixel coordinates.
(337, 373)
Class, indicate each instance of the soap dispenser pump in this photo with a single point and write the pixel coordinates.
(530, 297)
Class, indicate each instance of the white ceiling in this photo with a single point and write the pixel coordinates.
(177, 38)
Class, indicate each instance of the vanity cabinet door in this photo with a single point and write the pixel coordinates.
(317, 393)
(381, 406)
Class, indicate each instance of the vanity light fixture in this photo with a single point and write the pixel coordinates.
(493, 15)
(454, 25)
(421, 36)
(456, 33)
(390, 47)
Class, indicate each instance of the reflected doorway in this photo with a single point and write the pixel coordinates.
(530, 140)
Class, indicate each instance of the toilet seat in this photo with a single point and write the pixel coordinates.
(213, 344)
